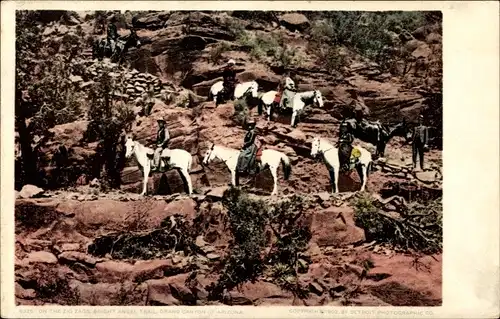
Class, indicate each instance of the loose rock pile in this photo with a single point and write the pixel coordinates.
(135, 84)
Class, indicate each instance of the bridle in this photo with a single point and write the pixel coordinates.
(210, 155)
(323, 152)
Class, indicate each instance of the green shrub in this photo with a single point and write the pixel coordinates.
(216, 52)
(362, 32)
(247, 258)
(247, 224)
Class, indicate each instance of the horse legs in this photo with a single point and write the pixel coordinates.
(147, 169)
(233, 178)
(187, 178)
(361, 169)
(273, 170)
(294, 115)
(334, 180)
(364, 169)
(236, 178)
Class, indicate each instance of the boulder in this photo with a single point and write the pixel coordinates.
(185, 206)
(294, 21)
(29, 191)
(427, 177)
(22, 293)
(150, 269)
(335, 227)
(74, 256)
(160, 291)
(40, 257)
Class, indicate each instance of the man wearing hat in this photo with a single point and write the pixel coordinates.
(246, 161)
(162, 139)
(229, 78)
(112, 34)
(345, 146)
(420, 140)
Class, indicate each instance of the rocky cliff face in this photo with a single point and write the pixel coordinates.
(171, 72)
(181, 57)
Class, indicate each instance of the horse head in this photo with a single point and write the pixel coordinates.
(129, 146)
(255, 89)
(318, 98)
(209, 155)
(133, 39)
(400, 129)
(315, 147)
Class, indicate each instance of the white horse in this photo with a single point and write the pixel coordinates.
(303, 99)
(240, 90)
(300, 100)
(331, 158)
(267, 99)
(177, 159)
(270, 159)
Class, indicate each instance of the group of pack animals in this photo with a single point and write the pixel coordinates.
(372, 132)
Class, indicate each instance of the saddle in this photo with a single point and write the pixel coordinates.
(354, 158)
(258, 155)
(277, 97)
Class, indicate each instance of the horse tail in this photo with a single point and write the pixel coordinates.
(369, 168)
(287, 168)
(210, 95)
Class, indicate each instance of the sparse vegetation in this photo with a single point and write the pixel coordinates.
(174, 234)
(109, 119)
(241, 111)
(373, 35)
(53, 287)
(247, 260)
(217, 51)
(44, 92)
(418, 228)
(269, 48)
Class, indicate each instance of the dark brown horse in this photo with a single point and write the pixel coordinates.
(100, 49)
(377, 133)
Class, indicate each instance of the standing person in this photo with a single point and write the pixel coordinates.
(420, 140)
(112, 34)
(246, 159)
(229, 78)
(345, 146)
(162, 139)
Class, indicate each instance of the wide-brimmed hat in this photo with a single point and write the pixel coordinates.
(231, 62)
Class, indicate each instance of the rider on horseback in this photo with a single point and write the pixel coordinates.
(345, 146)
(162, 139)
(229, 78)
(246, 160)
(289, 91)
(112, 34)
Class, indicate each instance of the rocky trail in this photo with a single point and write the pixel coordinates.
(84, 244)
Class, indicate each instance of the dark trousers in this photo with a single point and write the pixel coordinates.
(228, 91)
(344, 155)
(418, 148)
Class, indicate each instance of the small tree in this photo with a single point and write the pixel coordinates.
(44, 93)
(109, 119)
